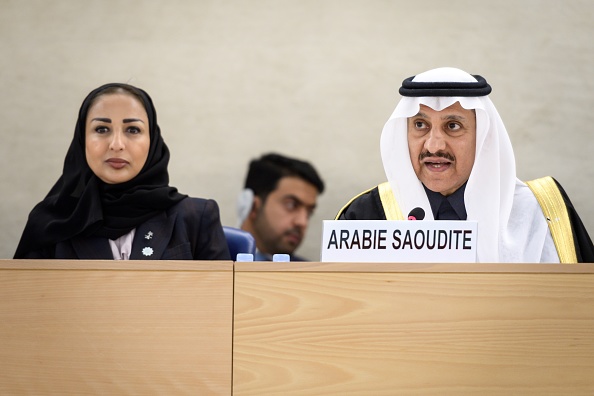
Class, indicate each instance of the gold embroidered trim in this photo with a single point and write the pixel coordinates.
(553, 206)
(351, 201)
(391, 207)
(389, 203)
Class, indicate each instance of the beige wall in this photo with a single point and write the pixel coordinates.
(314, 79)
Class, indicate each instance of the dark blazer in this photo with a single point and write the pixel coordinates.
(190, 230)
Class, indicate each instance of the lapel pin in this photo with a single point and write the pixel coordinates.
(147, 251)
(149, 235)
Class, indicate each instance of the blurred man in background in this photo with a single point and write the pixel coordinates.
(279, 197)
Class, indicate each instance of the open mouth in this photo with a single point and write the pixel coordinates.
(438, 165)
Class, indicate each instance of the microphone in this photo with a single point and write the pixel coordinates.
(416, 214)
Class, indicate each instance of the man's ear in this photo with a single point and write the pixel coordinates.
(256, 206)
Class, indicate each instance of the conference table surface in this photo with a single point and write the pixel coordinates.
(413, 329)
(115, 327)
(261, 328)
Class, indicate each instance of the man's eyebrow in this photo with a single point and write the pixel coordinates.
(453, 117)
(421, 114)
(300, 202)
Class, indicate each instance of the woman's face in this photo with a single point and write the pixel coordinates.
(117, 137)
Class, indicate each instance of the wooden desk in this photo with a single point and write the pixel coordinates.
(413, 329)
(107, 327)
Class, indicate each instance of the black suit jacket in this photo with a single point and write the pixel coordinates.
(190, 230)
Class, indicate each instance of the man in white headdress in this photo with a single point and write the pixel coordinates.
(445, 150)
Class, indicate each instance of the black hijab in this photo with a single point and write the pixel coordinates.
(81, 204)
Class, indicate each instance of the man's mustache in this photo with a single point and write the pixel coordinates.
(442, 154)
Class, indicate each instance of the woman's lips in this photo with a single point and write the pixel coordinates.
(117, 163)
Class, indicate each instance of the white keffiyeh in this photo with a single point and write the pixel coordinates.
(511, 226)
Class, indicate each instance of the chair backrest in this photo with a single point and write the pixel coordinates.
(239, 241)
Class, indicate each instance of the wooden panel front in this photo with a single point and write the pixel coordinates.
(74, 328)
(305, 331)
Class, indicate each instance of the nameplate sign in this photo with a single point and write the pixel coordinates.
(406, 241)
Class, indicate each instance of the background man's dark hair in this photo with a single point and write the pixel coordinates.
(265, 172)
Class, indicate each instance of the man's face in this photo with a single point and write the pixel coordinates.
(442, 146)
(281, 221)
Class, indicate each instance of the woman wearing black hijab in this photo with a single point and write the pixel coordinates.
(113, 200)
